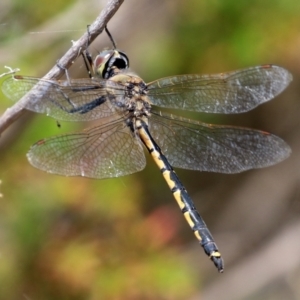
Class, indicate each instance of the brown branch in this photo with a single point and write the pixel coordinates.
(15, 111)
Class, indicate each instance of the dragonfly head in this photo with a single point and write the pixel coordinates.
(110, 62)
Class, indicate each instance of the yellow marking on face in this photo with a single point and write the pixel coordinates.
(188, 218)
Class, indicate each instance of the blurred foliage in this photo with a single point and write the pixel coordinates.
(213, 36)
(75, 238)
(21, 10)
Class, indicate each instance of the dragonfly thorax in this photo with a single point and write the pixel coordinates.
(136, 100)
(110, 62)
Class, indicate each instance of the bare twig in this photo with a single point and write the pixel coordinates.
(14, 112)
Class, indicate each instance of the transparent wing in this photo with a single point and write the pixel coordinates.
(74, 100)
(232, 92)
(225, 149)
(101, 152)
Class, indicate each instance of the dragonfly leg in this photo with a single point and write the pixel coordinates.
(87, 57)
(65, 70)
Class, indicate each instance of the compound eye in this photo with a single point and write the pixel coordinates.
(102, 59)
(125, 61)
(108, 61)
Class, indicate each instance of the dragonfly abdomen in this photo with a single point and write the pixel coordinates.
(181, 196)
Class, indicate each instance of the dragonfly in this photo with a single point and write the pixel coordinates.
(129, 118)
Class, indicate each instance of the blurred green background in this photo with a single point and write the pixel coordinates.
(125, 238)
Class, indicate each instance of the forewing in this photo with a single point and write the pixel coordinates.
(101, 152)
(74, 100)
(225, 149)
(232, 92)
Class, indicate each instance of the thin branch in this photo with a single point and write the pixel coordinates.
(15, 111)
